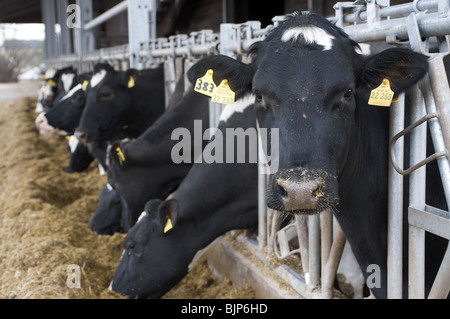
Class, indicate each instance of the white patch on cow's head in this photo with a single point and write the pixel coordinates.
(109, 187)
(67, 80)
(50, 73)
(48, 92)
(74, 90)
(311, 35)
(364, 49)
(73, 143)
(238, 107)
(102, 171)
(97, 78)
(143, 214)
(43, 126)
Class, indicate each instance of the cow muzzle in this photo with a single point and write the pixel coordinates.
(302, 191)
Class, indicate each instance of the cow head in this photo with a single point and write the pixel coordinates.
(66, 112)
(137, 183)
(153, 259)
(108, 104)
(311, 81)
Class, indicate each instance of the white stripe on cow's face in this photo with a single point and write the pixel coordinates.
(238, 107)
(50, 73)
(97, 78)
(67, 80)
(72, 92)
(310, 35)
(73, 143)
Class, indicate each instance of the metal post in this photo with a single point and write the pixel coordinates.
(141, 26)
(418, 147)
(395, 204)
(65, 45)
(49, 19)
(314, 249)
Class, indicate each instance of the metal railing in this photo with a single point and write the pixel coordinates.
(320, 243)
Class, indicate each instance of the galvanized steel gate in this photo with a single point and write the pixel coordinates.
(320, 245)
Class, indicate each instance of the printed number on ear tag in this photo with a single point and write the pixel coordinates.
(382, 95)
(205, 85)
(223, 94)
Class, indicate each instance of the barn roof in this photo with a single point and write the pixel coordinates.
(20, 11)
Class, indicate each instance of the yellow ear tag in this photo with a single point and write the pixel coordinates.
(85, 84)
(131, 82)
(42, 76)
(120, 156)
(205, 85)
(223, 94)
(51, 83)
(168, 226)
(382, 95)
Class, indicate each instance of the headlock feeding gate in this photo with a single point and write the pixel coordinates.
(424, 24)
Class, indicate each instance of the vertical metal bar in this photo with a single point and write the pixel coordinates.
(49, 19)
(326, 234)
(314, 249)
(332, 263)
(302, 234)
(141, 26)
(65, 46)
(441, 285)
(418, 147)
(395, 204)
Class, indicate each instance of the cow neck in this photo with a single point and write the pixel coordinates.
(148, 102)
(202, 229)
(363, 187)
(191, 107)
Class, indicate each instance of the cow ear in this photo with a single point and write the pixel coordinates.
(402, 67)
(167, 214)
(238, 74)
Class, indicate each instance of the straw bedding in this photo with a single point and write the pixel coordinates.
(44, 213)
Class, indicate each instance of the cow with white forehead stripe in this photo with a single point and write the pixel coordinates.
(119, 99)
(311, 82)
(145, 168)
(160, 247)
(65, 114)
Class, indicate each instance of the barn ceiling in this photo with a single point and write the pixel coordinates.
(20, 11)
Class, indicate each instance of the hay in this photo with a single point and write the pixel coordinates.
(44, 213)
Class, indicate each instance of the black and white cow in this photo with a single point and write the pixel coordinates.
(118, 99)
(57, 83)
(145, 168)
(107, 217)
(65, 114)
(213, 199)
(312, 83)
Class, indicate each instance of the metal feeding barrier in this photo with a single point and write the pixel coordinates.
(319, 241)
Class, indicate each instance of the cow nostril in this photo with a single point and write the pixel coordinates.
(317, 191)
(282, 191)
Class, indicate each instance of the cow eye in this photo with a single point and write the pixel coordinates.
(106, 94)
(348, 94)
(258, 96)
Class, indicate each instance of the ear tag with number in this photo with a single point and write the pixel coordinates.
(120, 156)
(382, 95)
(85, 84)
(131, 82)
(223, 94)
(168, 226)
(205, 85)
